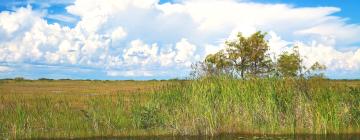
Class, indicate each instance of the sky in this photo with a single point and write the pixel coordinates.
(160, 39)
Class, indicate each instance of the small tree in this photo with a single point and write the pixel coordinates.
(289, 64)
(315, 71)
(248, 54)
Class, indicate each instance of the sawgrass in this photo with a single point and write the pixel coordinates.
(207, 106)
(267, 106)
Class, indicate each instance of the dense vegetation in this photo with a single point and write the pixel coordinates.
(224, 104)
(237, 90)
(205, 106)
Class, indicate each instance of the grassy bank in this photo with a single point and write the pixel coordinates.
(207, 107)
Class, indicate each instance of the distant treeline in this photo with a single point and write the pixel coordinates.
(174, 79)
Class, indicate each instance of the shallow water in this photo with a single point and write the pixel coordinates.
(240, 137)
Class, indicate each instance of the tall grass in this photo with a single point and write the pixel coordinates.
(207, 106)
(223, 105)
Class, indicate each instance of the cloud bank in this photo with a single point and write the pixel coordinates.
(142, 38)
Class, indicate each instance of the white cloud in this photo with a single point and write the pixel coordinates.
(118, 34)
(317, 52)
(34, 40)
(336, 30)
(130, 73)
(332, 58)
(22, 19)
(140, 53)
(142, 37)
(5, 69)
(185, 53)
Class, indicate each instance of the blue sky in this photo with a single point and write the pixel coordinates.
(151, 39)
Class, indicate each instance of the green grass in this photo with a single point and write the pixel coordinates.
(270, 106)
(208, 106)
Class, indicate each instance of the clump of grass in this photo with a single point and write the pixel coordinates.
(147, 117)
(106, 114)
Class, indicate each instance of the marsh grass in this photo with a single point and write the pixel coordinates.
(272, 106)
(207, 106)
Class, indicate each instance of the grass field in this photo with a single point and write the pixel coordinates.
(67, 108)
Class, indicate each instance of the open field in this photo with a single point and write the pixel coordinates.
(65, 108)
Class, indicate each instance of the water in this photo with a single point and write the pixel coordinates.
(240, 137)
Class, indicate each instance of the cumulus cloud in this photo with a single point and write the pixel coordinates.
(182, 54)
(30, 39)
(185, 52)
(143, 37)
(332, 58)
(140, 53)
(317, 51)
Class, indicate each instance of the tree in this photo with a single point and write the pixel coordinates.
(218, 63)
(289, 64)
(248, 54)
(242, 57)
(315, 70)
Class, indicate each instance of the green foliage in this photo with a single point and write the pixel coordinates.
(217, 63)
(248, 54)
(213, 105)
(289, 64)
(248, 57)
(147, 117)
(315, 70)
(244, 56)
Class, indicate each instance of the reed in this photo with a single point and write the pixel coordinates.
(270, 106)
(206, 106)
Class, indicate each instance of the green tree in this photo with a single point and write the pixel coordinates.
(218, 63)
(315, 71)
(248, 54)
(289, 64)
